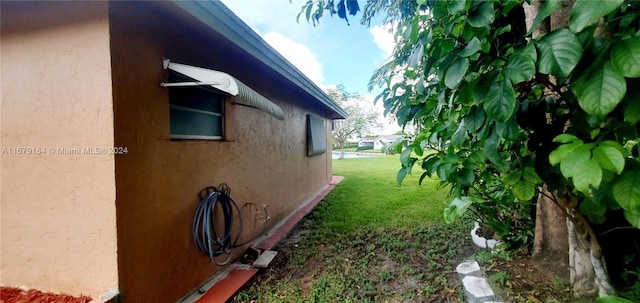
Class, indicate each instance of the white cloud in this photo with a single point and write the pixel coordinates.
(383, 38)
(298, 54)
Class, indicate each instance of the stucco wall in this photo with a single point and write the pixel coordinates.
(58, 209)
(158, 181)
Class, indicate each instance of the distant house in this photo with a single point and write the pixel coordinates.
(383, 141)
(378, 142)
(115, 115)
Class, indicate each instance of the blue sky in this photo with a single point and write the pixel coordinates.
(330, 53)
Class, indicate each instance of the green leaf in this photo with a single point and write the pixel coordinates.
(512, 177)
(474, 120)
(565, 138)
(559, 53)
(456, 72)
(483, 15)
(571, 164)
(524, 190)
(594, 210)
(613, 299)
(401, 174)
(491, 149)
(632, 109)
(588, 174)
(520, 68)
(530, 51)
(456, 6)
(508, 130)
(472, 47)
(587, 12)
(546, 9)
(625, 56)
(483, 86)
(457, 208)
(626, 190)
(600, 90)
(529, 174)
(466, 176)
(500, 101)
(558, 154)
(634, 220)
(459, 136)
(405, 157)
(609, 158)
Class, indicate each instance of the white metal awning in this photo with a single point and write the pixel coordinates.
(223, 82)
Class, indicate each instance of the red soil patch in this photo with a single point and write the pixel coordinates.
(17, 295)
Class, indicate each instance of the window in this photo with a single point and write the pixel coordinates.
(196, 112)
(316, 136)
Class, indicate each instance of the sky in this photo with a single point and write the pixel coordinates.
(330, 53)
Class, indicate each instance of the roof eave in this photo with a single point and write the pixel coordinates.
(218, 17)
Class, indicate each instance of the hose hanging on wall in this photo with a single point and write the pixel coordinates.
(207, 239)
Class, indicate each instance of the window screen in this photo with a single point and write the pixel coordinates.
(316, 136)
(196, 113)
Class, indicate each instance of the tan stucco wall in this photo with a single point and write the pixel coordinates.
(158, 181)
(58, 210)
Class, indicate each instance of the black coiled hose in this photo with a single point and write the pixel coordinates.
(207, 239)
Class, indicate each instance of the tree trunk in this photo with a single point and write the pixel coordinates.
(557, 220)
(550, 245)
(586, 264)
(341, 151)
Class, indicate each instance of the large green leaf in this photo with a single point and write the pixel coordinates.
(457, 208)
(571, 164)
(589, 174)
(483, 15)
(472, 47)
(508, 130)
(459, 136)
(500, 101)
(456, 72)
(609, 158)
(557, 155)
(626, 190)
(559, 53)
(512, 177)
(625, 56)
(466, 176)
(520, 68)
(530, 175)
(600, 90)
(400, 175)
(587, 12)
(524, 190)
(546, 9)
(566, 138)
(632, 110)
(634, 219)
(483, 86)
(474, 120)
(456, 6)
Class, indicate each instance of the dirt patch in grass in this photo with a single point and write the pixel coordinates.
(517, 278)
(366, 265)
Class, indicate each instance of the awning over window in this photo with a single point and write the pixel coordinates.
(223, 82)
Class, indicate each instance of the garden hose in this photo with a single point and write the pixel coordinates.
(207, 239)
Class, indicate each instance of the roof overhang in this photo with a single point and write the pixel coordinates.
(222, 82)
(219, 18)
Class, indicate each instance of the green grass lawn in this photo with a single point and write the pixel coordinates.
(369, 196)
(370, 240)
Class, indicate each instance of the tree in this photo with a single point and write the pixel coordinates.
(362, 117)
(509, 113)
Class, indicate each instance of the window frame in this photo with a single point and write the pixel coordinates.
(223, 113)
